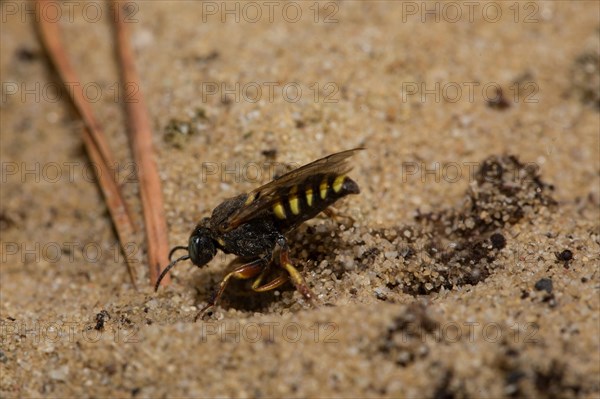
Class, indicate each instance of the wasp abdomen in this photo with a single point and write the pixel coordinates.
(304, 201)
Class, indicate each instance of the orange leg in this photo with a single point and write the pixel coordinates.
(295, 276)
(275, 283)
(242, 272)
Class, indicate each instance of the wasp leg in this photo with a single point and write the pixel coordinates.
(257, 285)
(271, 285)
(242, 272)
(295, 276)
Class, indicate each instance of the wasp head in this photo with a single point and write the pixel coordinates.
(201, 246)
(201, 249)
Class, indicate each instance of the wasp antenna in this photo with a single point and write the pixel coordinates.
(175, 249)
(164, 272)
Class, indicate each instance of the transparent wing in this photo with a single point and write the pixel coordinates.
(264, 197)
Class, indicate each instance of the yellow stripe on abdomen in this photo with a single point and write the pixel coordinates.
(279, 211)
(323, 187)
(309, 196)
(294, 205)
(338, 182)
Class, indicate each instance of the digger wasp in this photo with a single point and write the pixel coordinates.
(254, 225)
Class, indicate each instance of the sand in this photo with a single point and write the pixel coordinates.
(467, 266)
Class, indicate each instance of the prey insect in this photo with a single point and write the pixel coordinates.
(254, 225)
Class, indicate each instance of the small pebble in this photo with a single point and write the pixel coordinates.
(565, 255)
(498, 241)
(59, 374)
(544, 284)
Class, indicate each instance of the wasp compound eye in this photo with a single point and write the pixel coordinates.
(201, 248)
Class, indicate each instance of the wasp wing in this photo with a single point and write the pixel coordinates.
(264, 197)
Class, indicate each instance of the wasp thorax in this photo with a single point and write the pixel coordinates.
(201, 247)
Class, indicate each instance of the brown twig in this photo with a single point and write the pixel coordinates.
(93, 137)
(140, 135)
